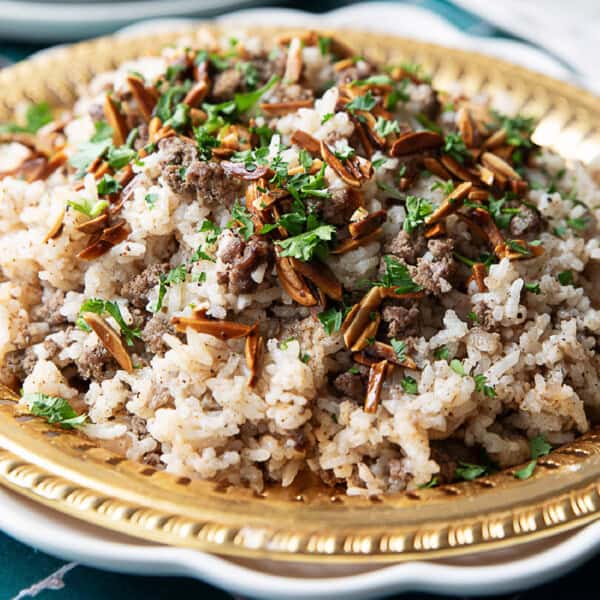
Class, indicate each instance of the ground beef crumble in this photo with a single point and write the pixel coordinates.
(407, 247)
(351, 385)
(96, 364)
(136, 290)
(401, 321)
(152, 334)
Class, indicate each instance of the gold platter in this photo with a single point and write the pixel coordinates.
(72, 474)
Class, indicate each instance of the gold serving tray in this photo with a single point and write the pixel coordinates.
(68, 472)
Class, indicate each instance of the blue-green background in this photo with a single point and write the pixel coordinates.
(21, 566)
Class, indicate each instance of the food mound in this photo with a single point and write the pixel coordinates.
(242, 263)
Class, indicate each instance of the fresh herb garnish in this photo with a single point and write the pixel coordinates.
(468, 471)
(397, 276)
(87, 207)
(481, 385)
(533, 287)
(89, 151)
(102, 307)
(36, 116)
(176, 275)
(442, 353)
(108, 185)
(417, 209)
(399, 347)
(309, 244)
(55, 410)
(455, 147)
(384, 127)
(331, 319)
(565, 277)
(366, 103)
(241, 218)
(457, 366)
(324, 45)
(409, 385)
(518, 129)
(151, 199)
(326, 117)
(538, 447)
(433, 482)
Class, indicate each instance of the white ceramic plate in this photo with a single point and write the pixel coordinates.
(491, 573)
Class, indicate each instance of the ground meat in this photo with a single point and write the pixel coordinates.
(136, 290)
(526, 221)
(49, 310)
(290, 93)
(226, 84)
(212, 184)
(338, 209)
(240, 258)
(96, 364)
(177, 157)
(12, 372)
(351, 385)
(401, 321)
(485, 320)
(406, 247)
(433, 275)
(441, 248)
(359, 70)
(153, 332)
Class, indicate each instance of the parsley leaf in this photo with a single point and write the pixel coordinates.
(397, 276)
(366, 103)
(538, 447)
(481, 385)
(89, 208)
(326, 117)
(533, 287)
(308, 244)
(176, 275)
(108, 185)
(417, 209)
(442, 353)
(457, 366)
(244, 102)
(409, 385)
(120, 157)
(518, 129)
(101, 307)
(240, 216)
(469, 471)
(54, 410)
(250, 74)
(36, 116)
(324, 45)
(331, 319)
(399, 347)
(455, 147)
(384, 127)
(89, 151)
(565, 277)
(151, 199)
(433, 482)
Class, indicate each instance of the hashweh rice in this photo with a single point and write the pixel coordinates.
(243, 263)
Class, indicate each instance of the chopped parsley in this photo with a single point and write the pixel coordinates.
(457, 366)
(378, 163)
(108, 185)
(151, 199)
(442, 353)
(481, 385)
(538, 448)
(89, 208)
(502, 215)
(176, 275)
(55, 410)
(427, 123)
(565, 277)
(518, 129)
(324, 45)
(36, 116)
(397, 276)
(89, 151)
(399, 347)
(240, 217)
(455, 147)
(120, 157)
(180, 117)
(102, 307)
(433, 482)
(326, 117)
(249, 73)
(344, 151)
(366, 103)
(391, 192)
(409, 385)
(533, 287)
(446, 186)
(417, 209)
(309, 244)
(473, 317)
(468, 471)
(384, 127)
(517, 247)
(331, 319)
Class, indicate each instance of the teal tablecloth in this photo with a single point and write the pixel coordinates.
(22, 567)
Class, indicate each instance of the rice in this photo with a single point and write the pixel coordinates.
(490, 367)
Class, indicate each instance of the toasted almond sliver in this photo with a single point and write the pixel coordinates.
(368, 224)
(293, 283)
(224, 330)
(56, 225)
(352, 243)
(293, 65)
(110, 339)
(7, 394)
(380, 351)
(479, 273)
(306, 142)
(368, 333)
(433, 165)
(488, 226)
(499, 165)
(376, 377)
(486, 176)
(116, 120)
(451, 203)
(416, 141)
(352, 171)
(239, 170)
(196, 94)
(145, 100)
(478, 195)
(390, 292)
(504, 251)
(457, 170)
(466, 127)
(435, 230)
(353, 328)
(93, 225)
(252, 351)
(322, 276)
(278, 109)
(496, 139)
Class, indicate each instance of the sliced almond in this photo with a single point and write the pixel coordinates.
(390, 292)
(359, 319)
(433, 165)
(252, 351)
(451, 203)
(56, 161)
(499, 165)
(293, 65)
(145, 100)
(351, 170)
(486, 175)
(488, 226)
(57, 224)
(478, 195)
(239, 170)
(306, 142)
(321, 275)
(368, 333)
(116, 121)
(434, 231)
(7, 394)
(196, 94)
(415, 142)
(380, 351)
(93, 225)
(368, 224)
(352, 243)
(505, 251)
(110, 339)
(376, 377)
(496, 139)
(467, 128)
(293, 283)
(479, 273)
(458, 170)
(101, 244)
(224, 330)
(278, 109)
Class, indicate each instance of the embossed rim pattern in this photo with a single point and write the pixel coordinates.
(70, 473)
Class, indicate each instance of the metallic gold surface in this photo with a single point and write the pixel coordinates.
(72, 474)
